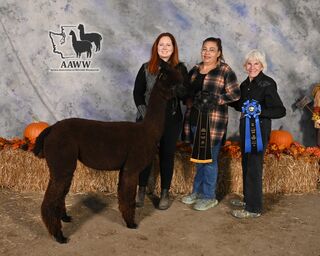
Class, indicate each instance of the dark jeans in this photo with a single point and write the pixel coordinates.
(252, 169)
(167, 148)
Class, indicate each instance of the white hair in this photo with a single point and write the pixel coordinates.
(256, 55)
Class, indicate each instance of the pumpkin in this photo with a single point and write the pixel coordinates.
(32, 131)
(283, 139)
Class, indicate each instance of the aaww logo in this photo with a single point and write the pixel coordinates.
(76, 48)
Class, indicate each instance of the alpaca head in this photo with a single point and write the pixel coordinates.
(80, 26)
(71, 33)
(168, 79)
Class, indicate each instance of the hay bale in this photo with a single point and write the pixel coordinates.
(287, 175)
(230, 175)
(183, 175)
(283, 175)
(22, 171)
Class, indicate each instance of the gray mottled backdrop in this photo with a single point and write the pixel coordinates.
(41, 78)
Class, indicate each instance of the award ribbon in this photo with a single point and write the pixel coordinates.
(201, 150)
(253, 139)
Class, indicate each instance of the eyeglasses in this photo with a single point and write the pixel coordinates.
(210, 50)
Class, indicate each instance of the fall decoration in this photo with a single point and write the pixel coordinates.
(286, 171)
(15, 143)
(315, 90)
(281, 138)
(296, 150)
(230, 148)
(32, 131)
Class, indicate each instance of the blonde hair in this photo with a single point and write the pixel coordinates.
(256, 55)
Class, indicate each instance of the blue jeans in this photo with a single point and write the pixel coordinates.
(205, 181)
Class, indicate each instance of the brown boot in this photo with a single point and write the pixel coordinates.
(140, 196)
(164, 203)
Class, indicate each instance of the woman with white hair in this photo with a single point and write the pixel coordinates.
(259, 103)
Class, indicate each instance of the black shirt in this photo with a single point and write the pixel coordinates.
(264, 90)
(173, 106)
(198, 83)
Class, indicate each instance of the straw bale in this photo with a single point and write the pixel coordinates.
(230, 175)
(22, 171)
(183, 174)
(287, 175)
(283, 175)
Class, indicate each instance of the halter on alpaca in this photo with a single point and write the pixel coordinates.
(125, 146)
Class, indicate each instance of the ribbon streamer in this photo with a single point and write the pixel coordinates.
(201, 150)
(253, 139)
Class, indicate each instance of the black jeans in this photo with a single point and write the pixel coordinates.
(252, 168)
(167, 148)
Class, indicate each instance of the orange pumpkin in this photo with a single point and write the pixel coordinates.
(282, 138)
(32, 131)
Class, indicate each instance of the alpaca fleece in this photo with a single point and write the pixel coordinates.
(125, 146)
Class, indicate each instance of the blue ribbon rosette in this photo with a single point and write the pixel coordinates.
(253, 139)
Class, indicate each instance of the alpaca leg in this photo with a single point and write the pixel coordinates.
(51, 209)
(65, 217)
(126, 196)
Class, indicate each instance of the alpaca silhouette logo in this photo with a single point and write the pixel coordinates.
(76, 47)
(91, 37)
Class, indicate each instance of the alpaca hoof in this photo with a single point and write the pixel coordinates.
(60, 238)
(66, 218)
(132, 226)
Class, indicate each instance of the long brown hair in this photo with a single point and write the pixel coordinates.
(153, 65)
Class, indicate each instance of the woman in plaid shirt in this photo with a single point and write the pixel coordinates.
(218, 80)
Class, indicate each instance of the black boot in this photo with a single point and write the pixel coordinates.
(164, 203)
(140, 196)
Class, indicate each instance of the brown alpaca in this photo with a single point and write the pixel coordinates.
(125, 146)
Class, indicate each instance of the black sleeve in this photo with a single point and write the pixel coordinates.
(140, 86)
(273, 107)
(185, 76)
(192, 89)
(236, 105)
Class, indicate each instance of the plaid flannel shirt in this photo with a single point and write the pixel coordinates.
(222, 81)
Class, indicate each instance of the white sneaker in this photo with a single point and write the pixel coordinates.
(205, 204)
(237, 202)
(243, 214)
(190, 199)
